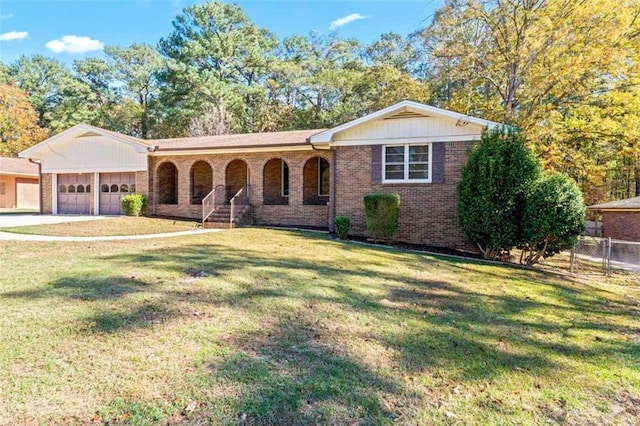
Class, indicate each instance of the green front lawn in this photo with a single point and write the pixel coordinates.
(107, 227)
(262, 326)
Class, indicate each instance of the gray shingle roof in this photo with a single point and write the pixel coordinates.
(10, 165)
(627, 203)
(247, 140)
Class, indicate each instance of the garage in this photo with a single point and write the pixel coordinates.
(97, 165)
(27, 193)
(74, 193)
(112, 187)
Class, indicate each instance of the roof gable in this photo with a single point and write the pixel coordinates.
(403, 110)
(79, 131)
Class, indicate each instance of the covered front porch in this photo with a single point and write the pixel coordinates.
(287, 188)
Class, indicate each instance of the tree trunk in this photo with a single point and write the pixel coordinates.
(144, 120)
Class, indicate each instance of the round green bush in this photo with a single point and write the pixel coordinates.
(133, 204)
(381, 213)
(496, 180)
(342, 224)
(553, 217)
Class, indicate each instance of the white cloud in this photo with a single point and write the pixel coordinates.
(13, 35)
(7, 16)
(345, 20)
(74, 44)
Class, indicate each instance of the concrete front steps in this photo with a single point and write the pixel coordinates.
(221, 217)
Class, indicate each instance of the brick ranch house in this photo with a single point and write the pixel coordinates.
(620, 219)
(295, 178)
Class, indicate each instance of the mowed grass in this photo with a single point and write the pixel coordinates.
(115, 226)
(258, 326)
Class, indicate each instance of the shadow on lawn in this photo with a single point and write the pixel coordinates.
(84, 288)
(291, 378)
(292, 374)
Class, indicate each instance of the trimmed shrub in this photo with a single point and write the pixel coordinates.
(496, 180)
(133, 204)
(381, 213)
(342, 224)
(553, 218)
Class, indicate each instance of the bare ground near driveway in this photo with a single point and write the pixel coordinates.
(12, 219)
(103, 226)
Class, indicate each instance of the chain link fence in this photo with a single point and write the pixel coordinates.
(607, 252)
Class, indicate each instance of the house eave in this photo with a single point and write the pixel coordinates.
(223, 150)
(327, 135)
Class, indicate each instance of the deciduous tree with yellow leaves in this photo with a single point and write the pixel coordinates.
(18, 122)
(563, 71)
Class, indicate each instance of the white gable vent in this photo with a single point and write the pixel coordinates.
(88, 134)
(406, 114)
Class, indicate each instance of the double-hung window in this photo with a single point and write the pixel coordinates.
(406, 163)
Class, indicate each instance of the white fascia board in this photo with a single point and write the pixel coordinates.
(327, 135)
(161, 153)
(35, 150)
(391, 141)
(34, 175)
(80, 170)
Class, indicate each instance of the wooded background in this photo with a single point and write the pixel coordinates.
(566, 72)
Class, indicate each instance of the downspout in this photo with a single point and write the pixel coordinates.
(332, 188)
(152, 181)
(39, 183)
(332, 198)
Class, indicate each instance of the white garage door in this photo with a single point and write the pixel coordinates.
(112, 187)
(27, 194)
(74, 193)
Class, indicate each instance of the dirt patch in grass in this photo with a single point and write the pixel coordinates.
(117, 226)
(259, 326)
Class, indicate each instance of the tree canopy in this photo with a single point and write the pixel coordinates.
(566, 73)
(18, 121)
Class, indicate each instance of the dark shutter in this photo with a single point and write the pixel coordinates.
(437, 174)
(376, 163)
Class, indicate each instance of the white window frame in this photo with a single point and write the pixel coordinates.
(282, 166)
(406, 163)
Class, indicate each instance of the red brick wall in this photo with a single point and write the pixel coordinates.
(312, 184)
(45, 187)
(293, 214)
(167, 176)
(142, 183)
(272, 179)
(201, 181)
(621, 225)
(236, 176)
(427, 211)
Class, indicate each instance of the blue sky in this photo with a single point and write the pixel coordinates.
(74, 29)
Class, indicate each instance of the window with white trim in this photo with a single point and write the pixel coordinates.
(406, 163)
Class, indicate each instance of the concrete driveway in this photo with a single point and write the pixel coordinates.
(11, 220)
